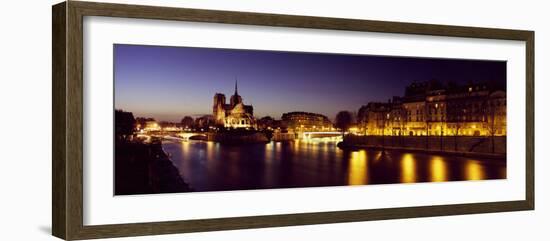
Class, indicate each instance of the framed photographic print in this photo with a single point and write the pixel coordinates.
(171, 120)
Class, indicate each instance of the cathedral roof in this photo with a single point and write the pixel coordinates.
(238, 109)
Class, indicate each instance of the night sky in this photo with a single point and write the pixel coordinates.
(168, 83)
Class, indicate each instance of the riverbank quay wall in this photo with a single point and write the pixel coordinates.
(283, 137)
(144, 168)
(461, 144)
(238, 138)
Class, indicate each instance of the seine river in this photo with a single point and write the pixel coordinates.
(210, 166)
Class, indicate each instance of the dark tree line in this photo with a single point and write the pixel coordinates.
(125, 124)
(343, 121)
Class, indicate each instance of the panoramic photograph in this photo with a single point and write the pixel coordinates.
(189, 119)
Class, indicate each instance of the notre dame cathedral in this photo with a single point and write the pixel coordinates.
(235, 114)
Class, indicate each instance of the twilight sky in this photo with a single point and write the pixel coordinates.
(168, 83)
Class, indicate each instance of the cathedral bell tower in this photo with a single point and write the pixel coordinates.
(218, 108)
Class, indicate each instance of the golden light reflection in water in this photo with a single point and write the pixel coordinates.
(312, 148)
(358, 168)
(210, 152)
(269, 151)
(185, 147)
(378, 157)
(438, 169)
(269, 146)
(474, 170)
(408, 168)
(185, 155)
(278, 151)
(325, 151)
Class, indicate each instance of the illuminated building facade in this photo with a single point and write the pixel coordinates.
(235, 114)
(436, 109)
(415, 118)
(429, 108)
(373, 117)
(397, 117)
(305, 121)
(151, 125)
(476, 110)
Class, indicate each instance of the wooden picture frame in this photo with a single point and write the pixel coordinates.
(67, 76)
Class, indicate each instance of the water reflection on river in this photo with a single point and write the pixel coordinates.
(209, 166)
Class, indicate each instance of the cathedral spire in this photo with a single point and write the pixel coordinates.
(236, 92)
(235, 98)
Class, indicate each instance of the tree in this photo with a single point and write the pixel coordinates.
(142, 121)
(491, 116)
(426, 118)
(362, 117)
(458, 125)
(124, 124)
(265, 122)
(402, 119)
(187, 122)
(343, 121)
(441, 128)
(495, 114)
(457, 116)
